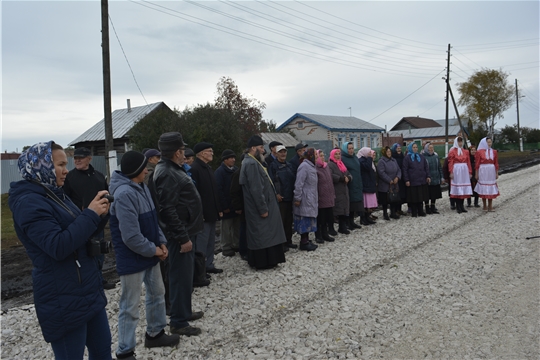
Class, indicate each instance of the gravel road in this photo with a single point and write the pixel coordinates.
(445, 286)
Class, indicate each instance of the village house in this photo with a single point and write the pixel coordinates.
(426, 130)
(327, 131)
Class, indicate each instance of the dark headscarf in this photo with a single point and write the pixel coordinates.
(383, 152)
(36, 164)
(309, 154)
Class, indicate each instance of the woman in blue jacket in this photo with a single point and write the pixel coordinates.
(68, 291)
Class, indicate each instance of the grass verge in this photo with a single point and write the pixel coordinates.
(8, 236)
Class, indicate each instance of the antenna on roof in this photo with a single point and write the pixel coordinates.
(350, 111)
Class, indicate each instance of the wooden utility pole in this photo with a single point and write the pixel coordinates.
(109, 143)
(518, 129)
(447, 100)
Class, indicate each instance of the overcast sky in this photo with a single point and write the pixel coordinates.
(384, 60)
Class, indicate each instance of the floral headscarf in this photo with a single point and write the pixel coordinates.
(341, 166)
(411, 153)
(309, 154)
(484, 146)
(459, 148)
(36, 163)
(318, 160)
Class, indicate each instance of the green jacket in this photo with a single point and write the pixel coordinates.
(435, 169)
(353, 165)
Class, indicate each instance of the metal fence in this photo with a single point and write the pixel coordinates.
(10, 170)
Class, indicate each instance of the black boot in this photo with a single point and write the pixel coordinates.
(318, 237)
(352, 225)
(421, 210)
(452, 203)
(393, 212)
(365, 220)
(434, 209)
(463, 205)
(468, 202)
(428, 209)
(459, 206)
(342, 229)
(324, 234)
(385, 212)
(414, 210)
(331, 229)
(476, 201)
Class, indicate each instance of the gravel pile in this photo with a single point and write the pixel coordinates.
(444, 286)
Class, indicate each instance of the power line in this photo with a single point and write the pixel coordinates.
(125, 56)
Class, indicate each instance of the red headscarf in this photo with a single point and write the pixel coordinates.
(339, 163)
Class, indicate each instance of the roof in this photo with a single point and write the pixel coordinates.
(417, 122)
(286, 139)
(335, 123)
(432, 132)
(451, 122)
(122, 122)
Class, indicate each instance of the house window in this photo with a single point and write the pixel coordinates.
(374, 141)
(341, 139)
(363, 141)
(354, 140)
(300, 125)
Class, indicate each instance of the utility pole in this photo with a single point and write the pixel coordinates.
(110, 154)
(518, 129)
(447, 100)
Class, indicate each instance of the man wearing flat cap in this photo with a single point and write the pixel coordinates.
(205, 181)
(139, 245)
(273, 153)
(265, 234)
(295, 160)
(153, 156)
(180, 213)
(81, 185)
(230, 223)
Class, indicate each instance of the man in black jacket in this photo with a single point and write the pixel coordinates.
(204, 179)
(295, 160)
(273, 153)
(180, 216)
(81, 185)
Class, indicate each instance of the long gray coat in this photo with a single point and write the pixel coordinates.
(305, 190)
(341, 206)
(259, 198)
(388, 170)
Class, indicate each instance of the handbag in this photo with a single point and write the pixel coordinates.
(393, 194)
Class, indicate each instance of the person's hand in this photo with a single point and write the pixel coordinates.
(265, 215)
(165, 251)
(297, 203)
(279, 198)
(98, 205)
(396, 180)
(159, 253)
(408, 183)
(238, 212)
(184, 248)
(428, 180)
(451, 175)
(347, 179)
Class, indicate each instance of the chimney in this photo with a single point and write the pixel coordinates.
(129, 105)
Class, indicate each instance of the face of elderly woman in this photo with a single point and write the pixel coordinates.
(398, 150)
(60, 166)
(388, 153)
(337, 155)
(321, 156)
(350, 149)
(415, 148)
(431, 149)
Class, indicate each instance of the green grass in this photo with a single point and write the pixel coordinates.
(8, 236)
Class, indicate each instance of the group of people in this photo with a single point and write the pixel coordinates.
(163, 206)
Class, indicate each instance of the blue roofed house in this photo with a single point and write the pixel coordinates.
(327, 131)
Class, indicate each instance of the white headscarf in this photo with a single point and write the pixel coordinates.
(456, 145)
(484, 146)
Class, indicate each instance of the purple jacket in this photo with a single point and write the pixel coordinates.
(388, 170)
(305, 190)
(415, 171)
(325, 187)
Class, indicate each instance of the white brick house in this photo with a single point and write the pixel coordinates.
(334, 129)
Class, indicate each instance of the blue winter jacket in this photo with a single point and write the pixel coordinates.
(68, 289)
(369, 177)
(134, 226)
(283, 177)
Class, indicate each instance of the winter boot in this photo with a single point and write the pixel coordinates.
(414, 210)
(385, 211)
(318, 236)
(393, 212)
(468, 202)
(459, 206)
(428, 209)
(325, 236)
(453, 203)
(434, 209)
(421, 210)
(352, 225)
(342, 229)
(331, 229)
(463, 205)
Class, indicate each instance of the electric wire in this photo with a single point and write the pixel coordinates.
(127, 61)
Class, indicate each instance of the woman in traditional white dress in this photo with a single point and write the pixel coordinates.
(487, 173)
(460, 169)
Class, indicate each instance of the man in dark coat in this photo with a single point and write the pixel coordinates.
(265, 235)
(205, 181)
(295, 160)
(281, 173)
(237, 205)
(230, 223)
(180, 218)
(82, 184)
(153, 156)
(273, 153)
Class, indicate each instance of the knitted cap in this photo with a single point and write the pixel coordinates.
(171, 141)
(132, 164)
(227, 154)
(255, 140)
(201, 147)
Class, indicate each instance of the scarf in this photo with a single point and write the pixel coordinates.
(36, 163)
(484, 146)
(456, 145)
(309, 154)
(411, 153)
(341, 166)
(318, 160)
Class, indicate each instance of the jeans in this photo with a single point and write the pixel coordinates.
(181, 267)
(128, 316)
(95, 335)
(206, 241)
(230, 233)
